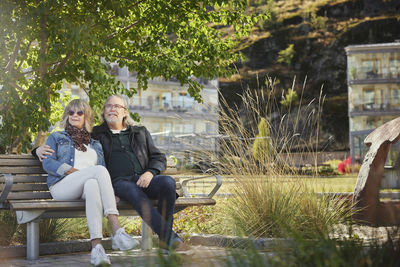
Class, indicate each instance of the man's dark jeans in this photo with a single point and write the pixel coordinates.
(162, 188)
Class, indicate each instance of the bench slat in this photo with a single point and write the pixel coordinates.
(26, 179)
(29, 195)
(26, 187)
(80, 204)
(47, 205)
(16, 156)
(22, 170)
(187, 201)
(20, 162)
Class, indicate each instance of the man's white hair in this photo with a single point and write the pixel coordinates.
(127, 120)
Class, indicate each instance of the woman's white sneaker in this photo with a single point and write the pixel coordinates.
(122, 241)
(98, 256)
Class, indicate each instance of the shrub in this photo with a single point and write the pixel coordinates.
(8, 227)
(318, 22)
(289, 98)
(198, 220)
(286, 55)
(49, 230)
(262, 148)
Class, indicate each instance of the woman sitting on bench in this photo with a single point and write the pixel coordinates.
(76, 171)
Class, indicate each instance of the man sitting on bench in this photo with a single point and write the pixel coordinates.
(135, 164)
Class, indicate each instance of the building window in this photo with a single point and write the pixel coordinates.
(394, 67)
(372, 98)
(395, 97)
(185, 101)
(163, 100)
(372, 123)
(178, 128)
(368, 98)
(114, 70)
(188, 128)
(370, 68)
(156, 127)
(359, 148)
(209, 128)
(166, 100)
(167, 128)
(123, 71)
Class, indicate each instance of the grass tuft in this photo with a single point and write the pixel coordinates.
(270, 198)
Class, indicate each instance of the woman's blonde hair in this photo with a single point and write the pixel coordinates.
(77, 105)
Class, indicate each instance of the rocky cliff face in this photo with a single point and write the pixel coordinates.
(319, 38)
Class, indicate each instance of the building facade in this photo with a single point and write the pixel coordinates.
(373, 78)
(178, 123)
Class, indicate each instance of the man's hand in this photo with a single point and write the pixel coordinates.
(117, 199)
(44, 151)
(71, 171)
(145, 179)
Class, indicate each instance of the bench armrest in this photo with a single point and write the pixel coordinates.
(7, 188)
(213, 191)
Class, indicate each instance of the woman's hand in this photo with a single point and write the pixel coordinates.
(71, 171)
(43, 151)
(145, 179)
(117, 199)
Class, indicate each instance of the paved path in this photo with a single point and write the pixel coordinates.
(199, 256)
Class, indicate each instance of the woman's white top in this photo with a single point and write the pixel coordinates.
(85, 159)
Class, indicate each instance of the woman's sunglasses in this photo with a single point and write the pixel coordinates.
(71, 112)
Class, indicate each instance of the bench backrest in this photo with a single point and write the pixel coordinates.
(29, 178)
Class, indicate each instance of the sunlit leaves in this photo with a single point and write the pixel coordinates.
(46, 43)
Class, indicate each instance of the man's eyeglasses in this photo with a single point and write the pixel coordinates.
(116, 106)
(79, 112)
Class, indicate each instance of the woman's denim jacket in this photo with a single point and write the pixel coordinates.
(64, 156)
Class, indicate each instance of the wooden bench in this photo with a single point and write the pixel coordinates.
(23, 189)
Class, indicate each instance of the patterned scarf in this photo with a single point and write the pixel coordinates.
(81, 137)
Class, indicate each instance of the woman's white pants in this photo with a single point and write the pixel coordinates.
(94, 185)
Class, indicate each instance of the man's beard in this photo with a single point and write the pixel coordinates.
(112, 119)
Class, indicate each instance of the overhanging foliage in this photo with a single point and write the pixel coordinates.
(44, 43)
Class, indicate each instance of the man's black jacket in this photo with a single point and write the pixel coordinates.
(149, 156)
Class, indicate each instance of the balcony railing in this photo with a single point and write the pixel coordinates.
(387, 104)
(172, 142)
(174, 105)
(124, 73)
(357, 74)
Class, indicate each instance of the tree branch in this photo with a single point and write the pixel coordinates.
(11, 62)
(129, 7)
(26, 93)
(24, 56)
(62, 64)
(43, 50)
(81, 85)
(18, 87)
(125, 29)
(43, 46)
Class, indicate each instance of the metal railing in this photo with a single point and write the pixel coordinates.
(124, 73)
(378, 104)
(359, 74)
(175, 142)
(173, 105)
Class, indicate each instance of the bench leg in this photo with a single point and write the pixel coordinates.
(146, 236)
(32, 240)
